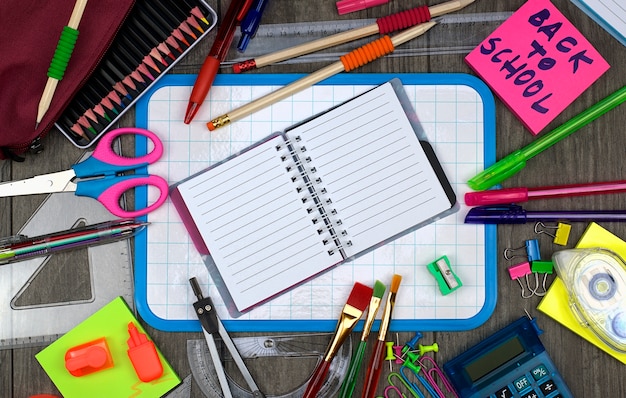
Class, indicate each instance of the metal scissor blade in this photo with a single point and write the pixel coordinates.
(46, 183)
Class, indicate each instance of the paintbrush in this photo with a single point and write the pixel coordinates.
(376, 361)
(347, 388)
(350, 315)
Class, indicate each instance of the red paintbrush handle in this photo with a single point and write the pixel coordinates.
(373, 370)
(317, 380)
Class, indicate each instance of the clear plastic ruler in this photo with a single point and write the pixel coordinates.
(455, 33)
(309, 347)
(38, 320)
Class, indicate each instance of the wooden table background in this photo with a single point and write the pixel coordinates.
(596, 153)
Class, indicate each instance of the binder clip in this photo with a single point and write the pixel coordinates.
(560, 235)
(541, 267)
(519, 271)
(446, 279)
(531, 247)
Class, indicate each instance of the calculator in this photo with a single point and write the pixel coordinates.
(511, 363)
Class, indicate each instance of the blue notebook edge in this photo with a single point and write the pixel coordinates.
(399, 325)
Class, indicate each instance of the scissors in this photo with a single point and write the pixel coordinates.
(97, 176)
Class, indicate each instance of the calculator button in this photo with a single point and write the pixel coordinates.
(532, 394)
(548, 387)
(522, 383)
(504, 392)
(539, 372)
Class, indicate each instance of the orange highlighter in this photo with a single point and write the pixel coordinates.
(378, 355)
(235, 13)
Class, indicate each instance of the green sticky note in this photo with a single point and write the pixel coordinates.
(121, 380)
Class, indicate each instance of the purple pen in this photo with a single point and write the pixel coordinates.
(514, 214)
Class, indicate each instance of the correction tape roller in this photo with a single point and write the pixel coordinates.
(596, 283)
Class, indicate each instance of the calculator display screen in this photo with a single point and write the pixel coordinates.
(493, 359)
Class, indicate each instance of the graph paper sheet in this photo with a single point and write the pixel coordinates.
(457, 114)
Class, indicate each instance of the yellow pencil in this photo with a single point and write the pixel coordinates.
(348, 62)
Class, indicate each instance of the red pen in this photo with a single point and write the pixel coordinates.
(518, 195)
(235, 13)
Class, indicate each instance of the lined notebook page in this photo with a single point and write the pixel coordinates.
(373, 168)
(255, 225)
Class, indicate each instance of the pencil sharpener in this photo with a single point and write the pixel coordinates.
(445, 277)
(595, 280)
(88, 358)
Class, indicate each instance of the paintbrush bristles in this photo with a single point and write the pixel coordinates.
(353, 310)
(360, 296)
(391, 301)
(395, 283)
(379, 289)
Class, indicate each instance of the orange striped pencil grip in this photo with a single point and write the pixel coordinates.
(367, 53)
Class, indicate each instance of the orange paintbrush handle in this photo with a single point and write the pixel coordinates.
(317, 380)
(373, 370)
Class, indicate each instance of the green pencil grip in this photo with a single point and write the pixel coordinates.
(63, 53)
(347, 387)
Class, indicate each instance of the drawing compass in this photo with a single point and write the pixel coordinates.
(211, 325)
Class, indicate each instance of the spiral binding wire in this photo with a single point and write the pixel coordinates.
(314, 193)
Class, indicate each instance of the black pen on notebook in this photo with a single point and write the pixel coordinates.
(60, 59)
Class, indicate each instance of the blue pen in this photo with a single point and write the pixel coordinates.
(250, 23)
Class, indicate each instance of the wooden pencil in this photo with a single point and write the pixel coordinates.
(373, 50)
(60, 59)
(390, 23)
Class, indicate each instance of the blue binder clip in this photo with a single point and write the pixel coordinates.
(531, 247)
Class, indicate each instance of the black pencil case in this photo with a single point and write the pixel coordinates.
(154, 37)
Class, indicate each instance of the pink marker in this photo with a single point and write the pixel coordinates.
(518, 195)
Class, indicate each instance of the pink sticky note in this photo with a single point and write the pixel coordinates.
(537, 62)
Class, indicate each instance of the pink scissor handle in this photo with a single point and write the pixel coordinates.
(110, 198)
(104, 150)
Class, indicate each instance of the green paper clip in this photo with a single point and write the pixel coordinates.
(447, 280)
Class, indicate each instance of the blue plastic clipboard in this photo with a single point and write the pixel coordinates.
(487, 289)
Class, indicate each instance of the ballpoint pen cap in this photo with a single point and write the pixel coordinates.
(347, 6)
(494, 197)
(496, 214)
(498, 172)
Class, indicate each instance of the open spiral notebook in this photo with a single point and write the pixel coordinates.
(455, 113)
(321, 193)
